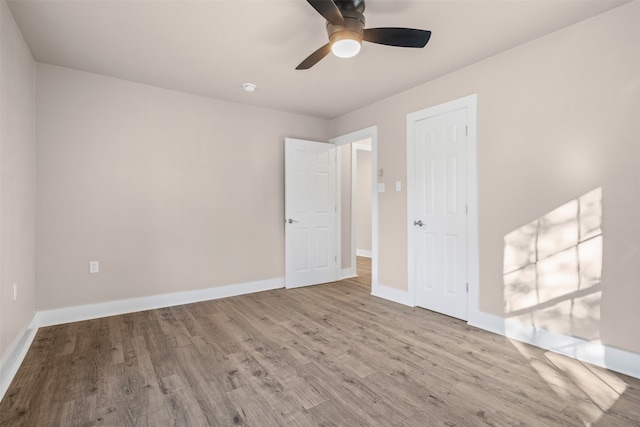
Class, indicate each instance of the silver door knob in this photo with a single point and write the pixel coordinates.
(291, 221)
(419, 223)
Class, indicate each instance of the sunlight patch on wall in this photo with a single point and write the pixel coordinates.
(552, 269)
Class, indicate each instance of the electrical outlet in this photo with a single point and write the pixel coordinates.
(15, 291)
(94, 267)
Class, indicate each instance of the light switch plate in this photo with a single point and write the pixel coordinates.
(94, 267)
(381, 187)
(398, 186)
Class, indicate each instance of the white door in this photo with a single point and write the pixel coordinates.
(310, 213)
(440, 223)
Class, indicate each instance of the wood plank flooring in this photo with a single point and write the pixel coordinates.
(327, 355)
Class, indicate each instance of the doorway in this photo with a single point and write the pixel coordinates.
(361, 195)
(349, 149)
(361, 209)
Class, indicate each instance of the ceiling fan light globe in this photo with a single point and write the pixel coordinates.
(345, 48)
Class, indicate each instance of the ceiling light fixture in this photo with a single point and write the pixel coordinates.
(249, 87)
(345, 48)
(345, 43)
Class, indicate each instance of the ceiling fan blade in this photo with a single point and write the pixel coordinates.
(315, 57)
(401, 37)
(329, 10)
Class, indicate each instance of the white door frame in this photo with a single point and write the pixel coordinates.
(359, 135)
(470, 104)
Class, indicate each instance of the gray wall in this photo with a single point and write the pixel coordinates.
(17, 177)
(168, 191)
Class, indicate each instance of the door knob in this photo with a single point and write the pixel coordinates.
(419, 223)
(291, 221)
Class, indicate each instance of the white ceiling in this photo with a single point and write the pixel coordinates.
(211, 47)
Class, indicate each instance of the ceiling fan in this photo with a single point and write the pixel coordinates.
(345, 27)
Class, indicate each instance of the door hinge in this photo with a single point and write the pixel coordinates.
(335, 258)
(467, 288)
(466, 209)
(466, 130)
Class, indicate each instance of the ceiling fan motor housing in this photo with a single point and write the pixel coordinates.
(350, 5)
(353, 26)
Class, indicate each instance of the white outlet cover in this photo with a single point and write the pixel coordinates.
(398, 186)
(381, 187)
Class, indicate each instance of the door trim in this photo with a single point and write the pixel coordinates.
(359, 135)
(470, 104)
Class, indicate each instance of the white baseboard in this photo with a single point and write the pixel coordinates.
(347, 273)
(364, 253)
(17, 352)
(112, 308)
(486, 321)
(611, 358)
(391, 294)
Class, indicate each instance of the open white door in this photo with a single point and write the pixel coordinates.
(310, 213)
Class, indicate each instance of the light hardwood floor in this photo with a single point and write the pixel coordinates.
(319, 356)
